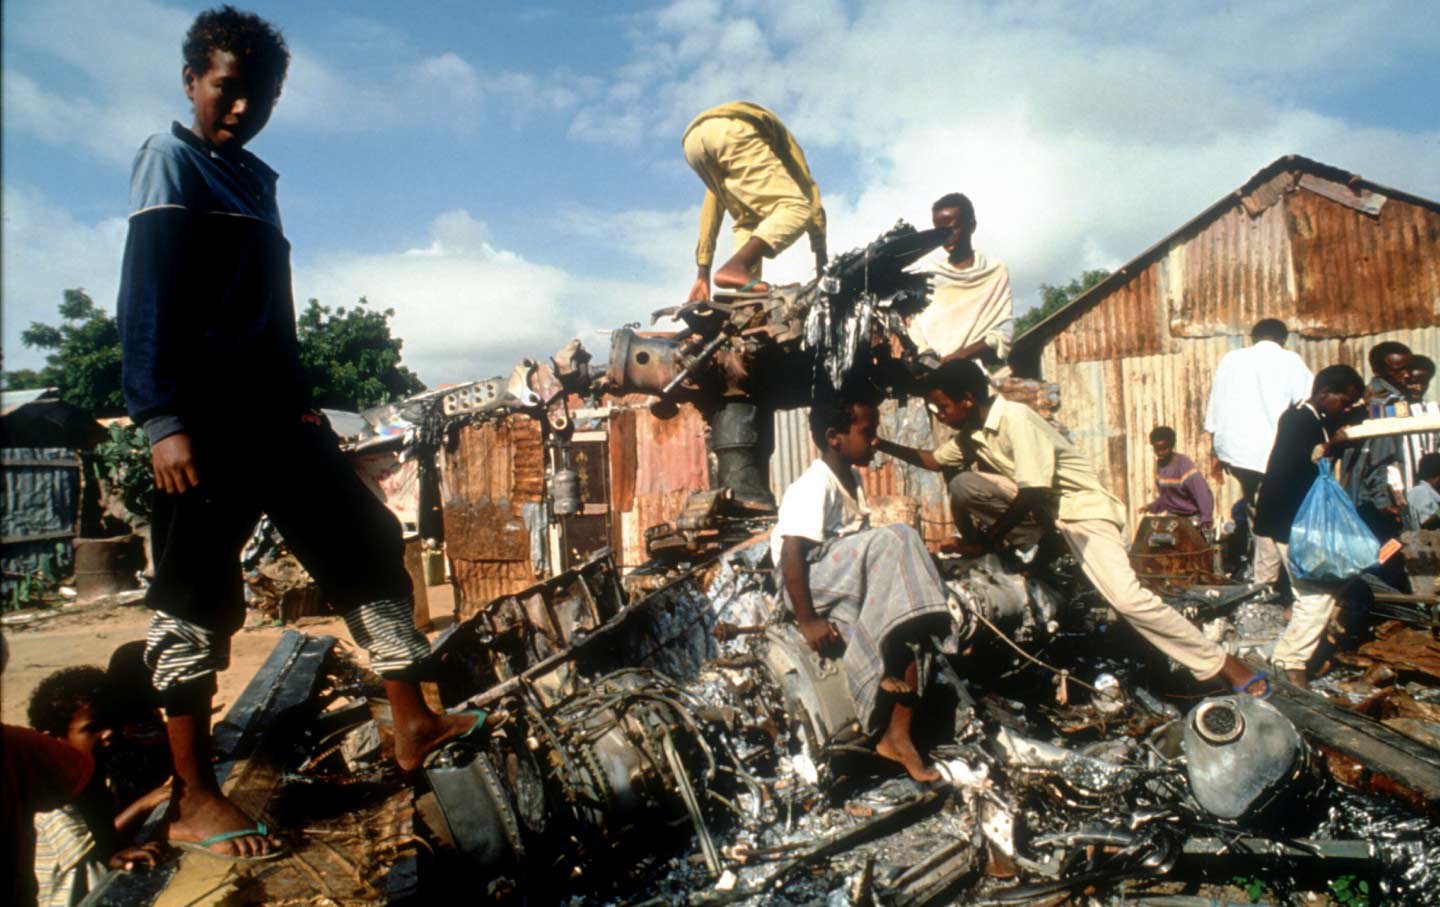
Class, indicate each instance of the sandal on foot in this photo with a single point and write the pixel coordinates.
(1260, 677)
(203, 847)
(748, 291)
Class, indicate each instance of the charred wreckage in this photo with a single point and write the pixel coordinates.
(669, 738)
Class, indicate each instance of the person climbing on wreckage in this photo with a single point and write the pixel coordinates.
(870, 594)
(1019, 475)
(752, 168)
(207, 325)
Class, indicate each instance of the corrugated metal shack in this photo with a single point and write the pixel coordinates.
(1344, 262)
(635, 471)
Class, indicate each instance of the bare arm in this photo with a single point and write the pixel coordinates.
(795, 577)
(914, 456)
(1028, 502)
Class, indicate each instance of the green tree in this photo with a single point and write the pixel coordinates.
(1053, 299)
(351, 360)
(83, 359)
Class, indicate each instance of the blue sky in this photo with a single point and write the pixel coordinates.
(507, 177)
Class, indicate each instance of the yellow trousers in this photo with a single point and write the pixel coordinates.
(1100, 549)
(750, 181)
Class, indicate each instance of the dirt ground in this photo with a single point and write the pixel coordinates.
(88, 634)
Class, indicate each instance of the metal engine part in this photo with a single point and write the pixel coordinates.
(578, 783)
(564, 492)
(815, 690)
(1018, 606)
(739, 459)
(642, 365)
(1240, 754)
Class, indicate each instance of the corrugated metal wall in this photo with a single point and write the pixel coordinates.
(909, 425)
(670, 462)
(1343, 279)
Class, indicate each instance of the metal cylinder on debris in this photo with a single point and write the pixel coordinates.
(565, 492)
(1241, 754)
(641, 365)
(739, 462)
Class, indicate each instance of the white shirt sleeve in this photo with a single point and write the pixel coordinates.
(1217, 398)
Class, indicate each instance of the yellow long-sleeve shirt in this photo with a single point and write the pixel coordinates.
(778, 137)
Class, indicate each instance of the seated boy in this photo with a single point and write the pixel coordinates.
(1026, 476)
(870, 592)
(1306, 426)
(75, 842)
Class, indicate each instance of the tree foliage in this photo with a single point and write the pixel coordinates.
(1052, 299)
(351, 360)
(83, 359)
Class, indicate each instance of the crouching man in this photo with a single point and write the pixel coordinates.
(1023, 479)
(870, 593)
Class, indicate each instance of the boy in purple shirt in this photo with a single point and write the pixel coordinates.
(1181, 490)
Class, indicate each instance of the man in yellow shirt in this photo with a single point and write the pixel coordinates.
(753, 168)
(1023, 474)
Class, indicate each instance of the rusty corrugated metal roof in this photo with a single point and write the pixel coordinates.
(1257, 197)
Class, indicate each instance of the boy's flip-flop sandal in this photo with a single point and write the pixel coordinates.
(479, 732)
(203, 847)
(1260, 677)
(748, 291)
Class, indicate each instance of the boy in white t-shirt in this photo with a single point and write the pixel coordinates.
(868, 592)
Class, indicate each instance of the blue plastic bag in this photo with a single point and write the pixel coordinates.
(1328, 540)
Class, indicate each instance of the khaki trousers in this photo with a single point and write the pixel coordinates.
(1309, 616)
(1100, 549)
(1267, 560)
(750, 180)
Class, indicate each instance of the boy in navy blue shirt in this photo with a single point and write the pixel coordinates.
(212, 371)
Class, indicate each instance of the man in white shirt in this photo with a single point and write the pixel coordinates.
(1252, 387)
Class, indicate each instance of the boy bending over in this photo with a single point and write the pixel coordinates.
(868, 592)
(1021, 475)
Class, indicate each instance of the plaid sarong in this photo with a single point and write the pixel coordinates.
(881, 589)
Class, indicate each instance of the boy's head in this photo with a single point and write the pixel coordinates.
(954, 212)
(1428, 469)
(956, 392)
(1272, 329)
(235, 65)
(1162, 441)
(1391, 360)
(69, 704)
(1422, 372)
(1336, 389)
(847, 426)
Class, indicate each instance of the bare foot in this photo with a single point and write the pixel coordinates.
(734, 280)
(203, 815)
(904, 752)
(412, 745)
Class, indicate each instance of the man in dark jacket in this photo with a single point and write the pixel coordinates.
(211, 369)
(1306, 431)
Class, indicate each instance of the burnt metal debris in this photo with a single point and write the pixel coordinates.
(668, 738)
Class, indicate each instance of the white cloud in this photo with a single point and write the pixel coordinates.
(119, 79)
(1083, 133)
(43, 252)
(468, 309)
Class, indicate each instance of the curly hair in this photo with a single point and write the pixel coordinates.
(59, 696)
(835, 411)
(245, 35)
